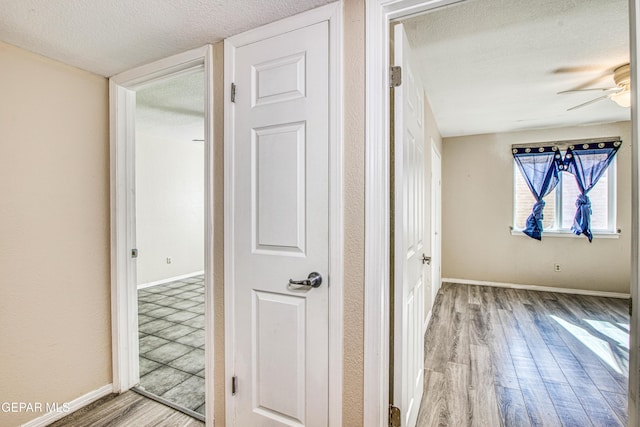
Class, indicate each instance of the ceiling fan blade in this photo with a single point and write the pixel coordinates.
(578, 69)
(584, 104)
(586, 90)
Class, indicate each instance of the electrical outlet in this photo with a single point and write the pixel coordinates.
(556, 267)
(168, 260)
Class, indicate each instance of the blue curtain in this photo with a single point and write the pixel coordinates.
(588, 162)
(539, 167)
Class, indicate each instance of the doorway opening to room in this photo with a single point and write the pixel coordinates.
(162, 231)
(170, 234)
(525, 322)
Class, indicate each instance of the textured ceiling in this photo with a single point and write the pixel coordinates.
(110, 36)
(172, 108)
(496, 66)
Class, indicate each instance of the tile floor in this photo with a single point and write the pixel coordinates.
(171, 337)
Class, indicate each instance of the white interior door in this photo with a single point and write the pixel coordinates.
(410, 219)
(436, 222)
(280, 229)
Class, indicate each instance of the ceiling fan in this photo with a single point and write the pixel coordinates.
(620, 94)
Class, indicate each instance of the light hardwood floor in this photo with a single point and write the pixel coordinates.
(127, 410)
(506, 357)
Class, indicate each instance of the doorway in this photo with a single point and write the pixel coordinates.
(378, 117)
(169, 215)
(162, 235)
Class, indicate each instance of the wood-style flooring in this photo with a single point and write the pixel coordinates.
(506, 357)
(127, 410)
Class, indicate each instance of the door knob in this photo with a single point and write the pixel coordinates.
(426, 259)
(312, 281)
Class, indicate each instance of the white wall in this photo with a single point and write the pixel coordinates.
(169, 201)
(478, 210)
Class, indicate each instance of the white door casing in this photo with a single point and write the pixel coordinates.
(410, 218)
(124, 301)
(282, 210)
(436, 221)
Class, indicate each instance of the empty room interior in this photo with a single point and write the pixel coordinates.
(527, 329)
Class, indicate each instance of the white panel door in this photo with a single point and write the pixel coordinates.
(436, 222)
(280, 231)
(410, 219)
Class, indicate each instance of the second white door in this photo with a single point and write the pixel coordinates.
(281, 230)
(410, 218)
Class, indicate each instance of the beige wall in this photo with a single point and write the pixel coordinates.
(55, 342)
(218, 230)
(478, 210)
(354, 150)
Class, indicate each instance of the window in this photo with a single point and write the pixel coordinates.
(560, 207)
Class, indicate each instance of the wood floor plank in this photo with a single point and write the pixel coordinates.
(482, 393)
(499, 341)
(456, 379)
(512, 407)
(542, 321)
(461, 298)
(474, 294)
(601, 414)
(434, 409)
(546, 364)
(568, 407)
(538, 403)
(619, 403)
(459, 349)
(479, 325)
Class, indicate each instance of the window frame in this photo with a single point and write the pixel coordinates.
(557, 230)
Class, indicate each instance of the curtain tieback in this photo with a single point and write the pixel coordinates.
(582, 220)
(534, 222)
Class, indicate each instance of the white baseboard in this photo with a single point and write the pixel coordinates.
(74, 405)
(538, 288)
(169, 280)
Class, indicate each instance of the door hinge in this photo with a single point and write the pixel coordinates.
(630, 306)
(234, 385)
(394, 416)
(134, 253)
(233, 92)
(395, 76)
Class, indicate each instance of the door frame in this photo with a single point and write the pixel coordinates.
(333, 14)
(379, 14)
(124, 300)
(434, 289)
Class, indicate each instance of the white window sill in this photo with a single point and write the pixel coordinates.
(554, 233)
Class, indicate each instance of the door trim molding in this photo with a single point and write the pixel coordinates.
(333, 14)
(124, 308)
(379, 14)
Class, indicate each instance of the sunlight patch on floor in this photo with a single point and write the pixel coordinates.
(598, 346)
(613, 332)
